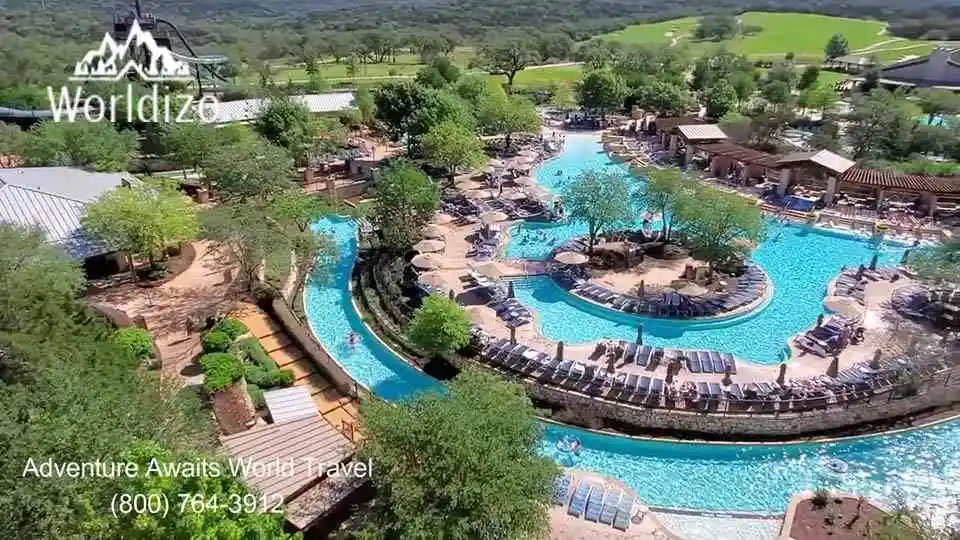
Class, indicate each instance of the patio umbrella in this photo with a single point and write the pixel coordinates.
(489, 269)
(429, 246)
(515, 195)
(498, 164)
(427, 261)
(432, 231)
(523, 181)
(443, 219)
(570, 257)
(489, 218)
(528, 153)
(873, 262)
(640, 335)
(510, 292)
(433, 279)
(844, 305)
(560, 350)
(693, 290)
(524, 160)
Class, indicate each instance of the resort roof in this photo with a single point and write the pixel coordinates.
(245, 110)
(907, 182)
(669, 123)
(824, 158)
(941, 68)
(287, 404)
(702, 132)
(740, 153)
(854, 59)
(310, 444)
(53, 199)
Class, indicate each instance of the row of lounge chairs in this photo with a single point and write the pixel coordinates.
(512, 312)
(608, 506)
(827, 338)
(710, 362)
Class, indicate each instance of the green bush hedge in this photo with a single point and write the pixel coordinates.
(256, 396)
(136, 340)
(258, 367)
(250, 350)
(232, 328)
(221, 370)
(216, 341)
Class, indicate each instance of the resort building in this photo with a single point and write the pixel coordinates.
(245, 110)
(851, 63)
(941, 69)
(53, 199)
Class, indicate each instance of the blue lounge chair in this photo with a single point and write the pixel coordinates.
(629, 387)
(703, 390)
(579, 500)
(715, 390)
(656, 386)
(594, 504)
(643, 355)
(630, 353)
(693, 364)
(622, 520)
(610, 502)
(717, 362)
(644, 385)
(729, 361)
(561, 489)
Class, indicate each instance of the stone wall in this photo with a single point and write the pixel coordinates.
(234, 408)
(940, 391)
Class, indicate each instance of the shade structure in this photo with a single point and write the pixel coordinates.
(489, 269)
(515, 195)
(427, 261)
(432, 231)
(844, 305)
(433, 279)
(570, 257)
(429, 246)
(489, 218)
(693, 290)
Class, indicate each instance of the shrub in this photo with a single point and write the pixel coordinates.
(267, 378)
(821, 496)
(250, 350)
(215, 341)
(231, 327)
(256, 396)
(221, 370)
(136, 340)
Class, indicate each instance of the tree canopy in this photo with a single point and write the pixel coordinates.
(661, 193)
(406, 201)
(451, 146)
(508, 55)
(720, 98)
(463, 464)
(439, 326)
(938, 264)
(287, 124)
(836, 47)
(599, 198)
(250, 168)
(717, 225)
(95, 145)
(602, 91)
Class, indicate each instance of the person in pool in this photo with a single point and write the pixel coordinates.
(352, 339)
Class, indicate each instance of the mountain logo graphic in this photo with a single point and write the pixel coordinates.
(113, 61)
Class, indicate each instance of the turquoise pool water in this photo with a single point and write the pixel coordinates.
(800, 262)
(923, 465)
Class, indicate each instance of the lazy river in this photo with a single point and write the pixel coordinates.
(921, 466)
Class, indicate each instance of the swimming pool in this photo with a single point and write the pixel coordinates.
(800, 262)
(923, 464)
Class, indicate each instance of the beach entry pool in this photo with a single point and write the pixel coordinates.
(922, 465)
(800, 262)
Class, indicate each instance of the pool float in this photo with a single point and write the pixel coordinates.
(836, 465)
(569, 445)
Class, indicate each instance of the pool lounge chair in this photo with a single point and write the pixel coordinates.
(704, 358)
(729, 362)
(594, 504)
(629, 387)
(644, 355)
(735, 391)
(703, 389)
(611, 500)
(715, 390)
(630, 352)
(579, 500)
(718, 364)
(563, 371)
(693, 364)
(621, 521)
(561, 489)
(643, 386)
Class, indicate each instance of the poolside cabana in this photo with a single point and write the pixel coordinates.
(728, 159)
(851, 63)
(689, 137)
(817, 173)
(929, 193)
(664, 126)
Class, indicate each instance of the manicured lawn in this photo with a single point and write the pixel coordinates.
(803, 34)
(545, 76)
(896, 51)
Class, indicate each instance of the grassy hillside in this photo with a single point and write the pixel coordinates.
(803, 34)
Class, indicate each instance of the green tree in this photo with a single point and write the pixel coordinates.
(717, 27)
(463, 464)
(451, 146)
(881, 125)
(737, 126)
(818, 98)
(365, 104)
(500, 114)
(836, 47)
(250, 168)
(300, 209)
(562, 97)
(720, 98)
(288, 124)
(601, 199)
(80, 144)
(439, 73)
(38, 281)
(189, 143)
(808, 79)
(439, 326)
(11, 139)
(396, 105)
(663, 189)
(602, 91)
(508, 56)
(406, 201)
(935, 101)
(718, 225)
(938, 264)
(744, 84)
(776, 92)
(664, 97)
(142, 220)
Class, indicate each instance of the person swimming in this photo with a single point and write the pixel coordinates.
(352, 339)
